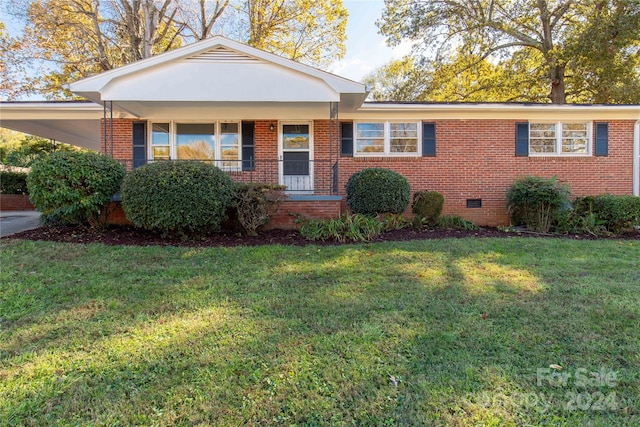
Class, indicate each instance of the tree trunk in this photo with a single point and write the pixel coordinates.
(557, 95)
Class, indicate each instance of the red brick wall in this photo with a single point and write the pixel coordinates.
(317, 209)
(122, 140)
(15, 202)
(476, 159)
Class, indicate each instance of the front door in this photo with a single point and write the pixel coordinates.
(296, 157)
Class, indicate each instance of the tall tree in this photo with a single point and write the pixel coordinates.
(78, 38)
(309, 31)
(497, 28)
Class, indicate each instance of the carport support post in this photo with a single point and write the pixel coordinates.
(107, 135)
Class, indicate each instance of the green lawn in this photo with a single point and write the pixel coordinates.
(451, 332)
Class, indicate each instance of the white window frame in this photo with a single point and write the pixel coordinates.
(173, 148)
(387, 139)
(558, 143)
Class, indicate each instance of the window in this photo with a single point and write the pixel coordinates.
(559, 138)
(196, 141)
(387, 138)
(160, 146)
(218, 141)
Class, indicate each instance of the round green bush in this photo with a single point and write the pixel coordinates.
(427, 205)
(73, 187)
(375, 190)
(178, 199)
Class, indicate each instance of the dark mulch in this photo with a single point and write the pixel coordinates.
(125, 235)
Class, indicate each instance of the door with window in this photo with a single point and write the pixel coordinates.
(296, 157)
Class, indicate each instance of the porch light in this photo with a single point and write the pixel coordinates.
(271, 127)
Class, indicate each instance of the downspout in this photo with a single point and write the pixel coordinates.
(636, 159)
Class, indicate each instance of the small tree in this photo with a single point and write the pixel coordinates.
(533, 201)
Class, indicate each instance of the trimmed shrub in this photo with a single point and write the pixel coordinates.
(178, 199)
(73, 187)
(346, 228)
(427, 205)
(255, 203)
(605, 213)
(13, 182)
(534, 201)
(374, 191)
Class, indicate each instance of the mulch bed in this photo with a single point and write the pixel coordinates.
(126, 235)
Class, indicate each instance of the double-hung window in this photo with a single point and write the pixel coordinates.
(560, 138)
(207, 141)
(387, 138)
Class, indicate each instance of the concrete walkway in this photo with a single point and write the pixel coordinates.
(12, 222)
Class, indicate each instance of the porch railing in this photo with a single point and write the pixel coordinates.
(303, 177)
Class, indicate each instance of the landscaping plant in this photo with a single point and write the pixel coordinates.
(74, 187)
(346, 228)
(255, 203)
(534, 201)
(427, 206)
(178, 199)
(374, 191)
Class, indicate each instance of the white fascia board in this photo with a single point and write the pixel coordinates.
(49, 110)
(495, 111)
(92, 86)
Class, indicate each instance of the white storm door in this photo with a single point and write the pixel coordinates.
(296, 157)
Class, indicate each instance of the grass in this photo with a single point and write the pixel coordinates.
(452, 332)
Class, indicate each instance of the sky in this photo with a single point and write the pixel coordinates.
(366, 49)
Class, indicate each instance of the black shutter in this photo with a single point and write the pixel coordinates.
(139, 137)
(248, 146)
(602, 139)
(346, 140)
(428, 139)
(522, 139)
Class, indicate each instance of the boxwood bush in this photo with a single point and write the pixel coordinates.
(74, 187)
(13, 182)
(178, 199)
(374, 191)
(534, 201)
(427, 206)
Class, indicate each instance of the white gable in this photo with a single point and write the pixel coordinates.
(219, 70)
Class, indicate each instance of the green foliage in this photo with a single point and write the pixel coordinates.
(374, 191)
(346, 228)
(505, 44)
(427, 205)
(534, 201)
(30, 149)
(392, 222)
(255, 203)
(74, 186)
(13, 182)
(600, 215)
(180, 199)
(454, 222)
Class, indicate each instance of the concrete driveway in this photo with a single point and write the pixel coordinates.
(12, 222)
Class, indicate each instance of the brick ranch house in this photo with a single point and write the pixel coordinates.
(265, 118)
